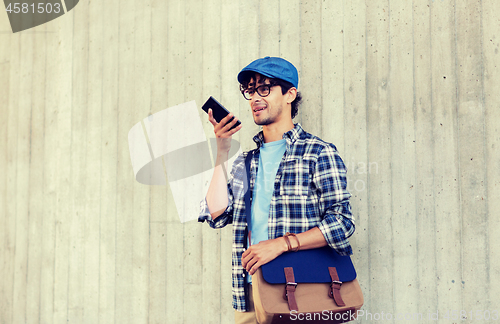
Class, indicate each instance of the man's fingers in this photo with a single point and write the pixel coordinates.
(234, 130)
(245, 257)
(230, 124)
(223, 128)
(251, 264)
(254, 268)
(228, 117)
(211, 118)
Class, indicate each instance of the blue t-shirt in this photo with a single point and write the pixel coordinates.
(269, 160)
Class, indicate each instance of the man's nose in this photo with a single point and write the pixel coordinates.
(256, 97)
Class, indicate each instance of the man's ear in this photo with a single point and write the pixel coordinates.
(292, 94)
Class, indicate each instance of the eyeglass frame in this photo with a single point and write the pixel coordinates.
(270, 85)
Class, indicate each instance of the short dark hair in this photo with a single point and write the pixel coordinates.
(285, 86)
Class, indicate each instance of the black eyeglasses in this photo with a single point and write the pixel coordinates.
(263, 91)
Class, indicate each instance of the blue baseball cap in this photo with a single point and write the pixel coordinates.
(272, 67)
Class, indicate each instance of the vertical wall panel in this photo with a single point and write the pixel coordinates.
(471, 151)
(446, 188)
(402, 125)
(269, 28)
(311, 72)
(5, 230)
(355, 136)
(109, 188)
(193, 267)
(161, 205)
(211, 251)
(50, 183)
(141, 211)
(424, 160)
(125, 200)
(78, 179)
(332, 69)
(23, 126)
(160, 90)
(11, 118)
(249, 49)
(158, 268)
(381, 292)
(230, 53)
(174, 76)
(491, 80)
(62, 81)
(289, 16)
(36, 176)
(289, 41)
(93, 167)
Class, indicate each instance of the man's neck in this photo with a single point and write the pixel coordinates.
(274, 132)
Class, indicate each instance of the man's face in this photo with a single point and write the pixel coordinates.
(269, 109)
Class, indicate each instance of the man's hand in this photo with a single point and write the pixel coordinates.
(262, 253)
(223, 131)
(266, 251)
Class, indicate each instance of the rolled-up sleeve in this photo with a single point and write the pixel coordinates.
(329, 178)
(222, 220)
(234, 186)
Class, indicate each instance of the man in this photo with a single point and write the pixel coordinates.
(297, 182)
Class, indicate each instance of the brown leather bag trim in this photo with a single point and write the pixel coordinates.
(289, 294)
(335, 287)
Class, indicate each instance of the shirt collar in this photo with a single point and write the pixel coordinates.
(291, 136)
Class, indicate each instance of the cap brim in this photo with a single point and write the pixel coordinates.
(243, 74)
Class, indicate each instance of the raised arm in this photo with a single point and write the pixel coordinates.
(217, 199)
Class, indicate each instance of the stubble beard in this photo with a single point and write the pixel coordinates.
(263, 122)
(269, 119)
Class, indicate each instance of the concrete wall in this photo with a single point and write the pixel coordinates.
(407, 90)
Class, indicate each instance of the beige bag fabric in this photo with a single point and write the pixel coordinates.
(314, 304)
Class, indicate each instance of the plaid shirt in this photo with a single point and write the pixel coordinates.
(309, 191)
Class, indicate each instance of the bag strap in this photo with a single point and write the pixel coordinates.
(335, 287)
(289, 294)
(246, 184)
(248, 208)
(248, 204)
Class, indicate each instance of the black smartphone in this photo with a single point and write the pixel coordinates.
(218, 110)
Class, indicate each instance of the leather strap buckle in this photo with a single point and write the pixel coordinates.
(292, 285)
(289, 293)
(335, 287)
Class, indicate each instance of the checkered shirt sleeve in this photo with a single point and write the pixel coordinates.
(330, 179)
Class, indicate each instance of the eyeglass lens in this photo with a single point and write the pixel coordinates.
(262, 90)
